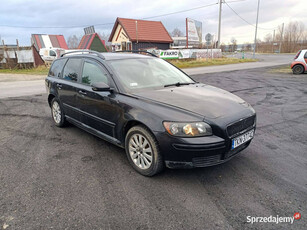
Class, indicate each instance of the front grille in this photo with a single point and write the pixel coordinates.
(240, 126)
(206, 161)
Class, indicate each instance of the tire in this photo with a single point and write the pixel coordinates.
(57, 113)
(143, 152)
(298, 69)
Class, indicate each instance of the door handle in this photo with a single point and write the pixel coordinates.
(59, 85)
(82, 92)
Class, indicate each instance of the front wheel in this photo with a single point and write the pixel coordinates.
(57, 113)
(143, 152)
(298, 69)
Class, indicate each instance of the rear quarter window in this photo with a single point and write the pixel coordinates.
(298, 54)
(56, 68)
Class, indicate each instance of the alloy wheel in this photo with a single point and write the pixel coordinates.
(140, 151)
(56, 112)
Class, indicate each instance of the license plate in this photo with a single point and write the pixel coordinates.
(242, 139)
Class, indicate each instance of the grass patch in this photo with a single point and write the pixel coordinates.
(40, 70)
(204, 62)
(282, 69)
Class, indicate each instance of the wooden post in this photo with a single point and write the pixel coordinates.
(187, 32)
(17, 43)
(34, 64)
(7, 57)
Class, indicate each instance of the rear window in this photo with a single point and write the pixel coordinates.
(298, 54)
(56, 68)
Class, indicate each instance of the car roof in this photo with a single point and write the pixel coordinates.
(110, 55)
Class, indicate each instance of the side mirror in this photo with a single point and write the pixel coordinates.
(100, 87)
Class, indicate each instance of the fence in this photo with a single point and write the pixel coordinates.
(187, 53)
(19, 57)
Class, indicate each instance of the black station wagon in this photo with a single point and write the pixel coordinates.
(160, 115)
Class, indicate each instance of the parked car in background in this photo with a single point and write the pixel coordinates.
(50, 54)
(160, 115)
(299, 64)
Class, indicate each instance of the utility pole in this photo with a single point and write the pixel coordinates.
(136, 31)
(273, 41)
(255, 42)
(220, 23)
(281, 36)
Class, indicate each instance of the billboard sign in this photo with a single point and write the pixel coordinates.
(194, 31)
(169, 54)
(89, 30)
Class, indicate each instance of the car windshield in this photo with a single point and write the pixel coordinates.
(147, 73)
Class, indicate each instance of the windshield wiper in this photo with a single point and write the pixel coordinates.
(179, 84)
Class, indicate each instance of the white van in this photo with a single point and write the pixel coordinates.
(49, 54)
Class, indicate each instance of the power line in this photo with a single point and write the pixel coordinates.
(104, 24)
(246, 20)
(182, 11)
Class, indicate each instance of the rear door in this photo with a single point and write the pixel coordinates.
(66, 87)
(99, 110)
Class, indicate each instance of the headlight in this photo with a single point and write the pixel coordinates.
(191, 129)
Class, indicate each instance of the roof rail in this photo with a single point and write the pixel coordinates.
(85, 51)
(136, 51)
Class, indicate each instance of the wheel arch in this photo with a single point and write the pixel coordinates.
(299, 63)
(50, 98)
(131, 123)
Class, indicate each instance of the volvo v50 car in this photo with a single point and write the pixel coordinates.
(155, 111)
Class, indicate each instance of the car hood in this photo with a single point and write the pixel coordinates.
(205, 100)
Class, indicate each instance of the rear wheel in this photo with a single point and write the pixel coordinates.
(143, 151)
(57, 113)
(298, 69)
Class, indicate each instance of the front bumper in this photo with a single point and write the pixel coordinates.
(197, 151)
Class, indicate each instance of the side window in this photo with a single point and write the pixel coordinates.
(52, 53)
(305, 56)
(56, 68)
(93, 73)
(71, 69)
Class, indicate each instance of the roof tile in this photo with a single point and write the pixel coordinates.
(147, 31)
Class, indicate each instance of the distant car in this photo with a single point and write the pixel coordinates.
(50, 54)
(160, 115)
(299, 65)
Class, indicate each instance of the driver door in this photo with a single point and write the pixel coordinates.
(98, 110)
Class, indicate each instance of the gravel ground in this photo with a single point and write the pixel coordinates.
(8, 77)
(65, 178)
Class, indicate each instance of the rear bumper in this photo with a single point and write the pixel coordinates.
(196, 152)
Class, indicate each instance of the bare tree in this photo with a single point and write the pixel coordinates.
(248, 47)
(268, 38)
(293, 36)
(233, 44)
(73, 42)
(177, 33)
(222, 47)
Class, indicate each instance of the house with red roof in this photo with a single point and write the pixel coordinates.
(134, 34)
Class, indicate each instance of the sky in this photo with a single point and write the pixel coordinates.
(19, 19)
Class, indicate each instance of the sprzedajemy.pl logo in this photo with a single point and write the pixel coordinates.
(273, 219)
